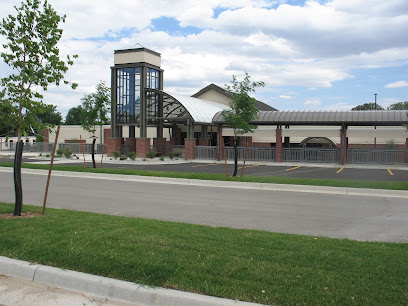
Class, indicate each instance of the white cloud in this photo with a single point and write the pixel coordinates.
(398, 84)
(285, 97)
(313, 102)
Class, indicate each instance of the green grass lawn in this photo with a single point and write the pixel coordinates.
(223, 177)
(248, 265)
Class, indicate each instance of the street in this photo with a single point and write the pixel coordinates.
(330, 215)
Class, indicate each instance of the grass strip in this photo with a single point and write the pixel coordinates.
(221, 177)
(249, 265)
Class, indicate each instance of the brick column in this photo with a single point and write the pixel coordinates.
(220, 143)
(279, 149)
(106, 134)
(406, 149)
(113, 144)
(131, 142)
(204, 142)
(244, 141)
(142, 147)
(189, 148)
(343, 146)
(160, 144)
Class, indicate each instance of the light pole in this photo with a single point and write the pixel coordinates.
(375, 127)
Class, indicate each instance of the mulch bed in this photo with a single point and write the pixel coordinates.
(27, 214)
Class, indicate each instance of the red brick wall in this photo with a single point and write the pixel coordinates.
(189, 148)
(204, 142)
(106, 134)
(132, 143)
(244, 141)
(160, 144)
(142, 147)
(113, 144)
(262, 144)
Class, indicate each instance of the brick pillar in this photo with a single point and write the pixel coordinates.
(279, 149)
(160, 144)
(113, 144)
(189, 148)
(220, 143)
(131, 142)
(343, 146)
(244, 141)
(142, 147)
(204, 142)
(106, 134)
(178, 136)
(406, 149)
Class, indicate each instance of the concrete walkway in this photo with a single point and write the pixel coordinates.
(26, 287)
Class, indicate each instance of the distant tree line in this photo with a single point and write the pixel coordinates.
(371, 106)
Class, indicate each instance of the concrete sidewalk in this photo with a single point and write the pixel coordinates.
(92, 289)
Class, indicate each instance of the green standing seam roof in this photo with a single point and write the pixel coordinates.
(348, 118)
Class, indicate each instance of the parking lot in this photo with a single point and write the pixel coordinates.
(324, 171)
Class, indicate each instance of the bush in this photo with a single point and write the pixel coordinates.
(123, 158)
(161, 158)
(48, 155)
(171, 155)
(60, 152)
(151, 154)
(116, 154)
(132, 155)
(67, 153)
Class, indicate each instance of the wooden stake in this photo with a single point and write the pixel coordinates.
(82, 148)
(50, 170)
(225, 157)
(103, 151)
(246, 154)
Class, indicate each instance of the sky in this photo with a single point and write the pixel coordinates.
(312, 55)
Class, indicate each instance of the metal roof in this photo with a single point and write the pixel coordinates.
(178, 106)
(350, 118)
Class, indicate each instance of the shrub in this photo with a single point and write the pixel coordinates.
(161, 158)
(151, 154)
(171, 155)
(67, 153)
(123, 158)
(48, 155)
(116, 154)
(60, 152)
(40, 154)
(132, 155)
(390, 144)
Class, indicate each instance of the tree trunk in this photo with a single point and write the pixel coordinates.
(93, 152)
(18, 189)
(235, 156)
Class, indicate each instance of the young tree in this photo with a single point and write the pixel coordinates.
(31, 51)
(368, 106)
(97, 106)
(75, 116)
(242, 111)
(399, 106)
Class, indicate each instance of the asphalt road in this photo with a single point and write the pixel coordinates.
(338, 216)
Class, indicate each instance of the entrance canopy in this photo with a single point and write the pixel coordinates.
(337, 118)
(185, 107)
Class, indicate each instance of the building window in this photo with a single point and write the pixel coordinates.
(153, 82)
(128, 95)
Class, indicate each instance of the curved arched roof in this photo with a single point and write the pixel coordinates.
(178, 106)
(353, 118)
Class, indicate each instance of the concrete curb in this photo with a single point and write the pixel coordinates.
(223, 184)
(108, 287)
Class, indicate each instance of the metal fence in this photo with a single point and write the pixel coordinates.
(311, 155)
(47, 147)
(254, 153)
(371, 156)
(205, 152)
